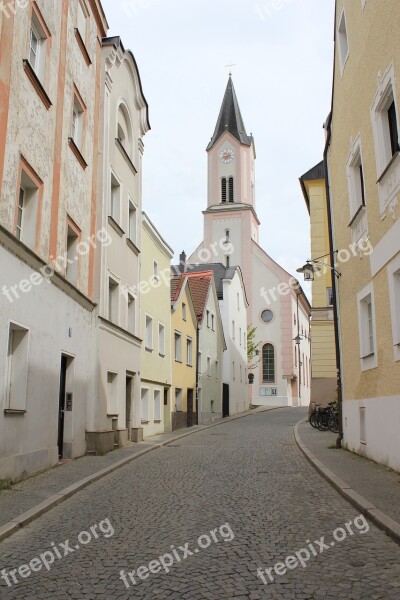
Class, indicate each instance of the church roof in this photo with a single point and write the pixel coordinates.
(220, 273)
(230, 119)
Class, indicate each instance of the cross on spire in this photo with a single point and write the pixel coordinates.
(230, 70)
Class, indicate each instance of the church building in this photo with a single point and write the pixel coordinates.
(278, 307)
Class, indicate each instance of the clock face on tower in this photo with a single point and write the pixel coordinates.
(226, 155)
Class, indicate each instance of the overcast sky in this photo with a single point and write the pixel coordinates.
(283, 54)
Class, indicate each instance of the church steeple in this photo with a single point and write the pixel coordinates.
(230, 119)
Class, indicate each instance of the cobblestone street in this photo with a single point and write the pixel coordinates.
(248, 475)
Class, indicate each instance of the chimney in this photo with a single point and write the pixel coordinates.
(182, 262)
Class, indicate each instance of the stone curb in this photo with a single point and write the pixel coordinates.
(33, 513)
(378, 517)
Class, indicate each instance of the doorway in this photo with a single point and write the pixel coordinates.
(128, 406)
(225, 400)
(61, 405)
(191, 417)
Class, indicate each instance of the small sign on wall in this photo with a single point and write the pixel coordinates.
(68, 402)
(264, 391)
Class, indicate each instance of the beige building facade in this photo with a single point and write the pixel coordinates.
(363, 162)
(322, 329)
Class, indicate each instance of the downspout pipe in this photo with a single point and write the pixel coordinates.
(334, 283)
(197, 372)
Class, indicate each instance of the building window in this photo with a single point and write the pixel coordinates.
(37, 47)
(233, 330)
(385, 122)
(208, 318)
(72, 266)
(124, 130)
(394, 291)
(233, 371)
(189, 352)
(244, 340)
(330, 296)
(343, 41)
(131, 314)
(17, 368)
(115, 198)
(155, 270)
(231, 190)
(213, 322)
(157, 406)
(223, 189)
(227, 236)
(238, 301)
(113, 300)
(132, 222)
(112, 393)
(241, 374)
(161, 339)
(363, 426)
(216, 370)
(199, 363)
(144, 401)
(149, 333)
(227, 261)
(208, 366)
(268, 361)
(178, 346)
(355, 175)
(267, 316)
(367, 331)
(178, 400)
(78, 116)
(27, 209)
(183, 311)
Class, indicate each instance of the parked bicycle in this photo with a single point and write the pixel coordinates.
(325, 419)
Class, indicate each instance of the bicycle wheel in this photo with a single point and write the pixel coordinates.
(323, 421)
(313, 419)
(334, 423)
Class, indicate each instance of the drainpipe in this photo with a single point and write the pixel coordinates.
(197, 373)
(334, 284)
(298, 345)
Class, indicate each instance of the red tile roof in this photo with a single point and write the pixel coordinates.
(199, 284)
(176, 286)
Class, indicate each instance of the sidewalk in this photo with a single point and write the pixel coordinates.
(32, 497)
(372, 488)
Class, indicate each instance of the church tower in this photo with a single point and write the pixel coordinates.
(231, 214)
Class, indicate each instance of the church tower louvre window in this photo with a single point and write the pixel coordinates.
(223, 189)
(231, 190)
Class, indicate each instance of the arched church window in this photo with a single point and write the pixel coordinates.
(223, 189)
(268, 362)
(231, 192)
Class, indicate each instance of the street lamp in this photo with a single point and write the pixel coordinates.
(313, 266)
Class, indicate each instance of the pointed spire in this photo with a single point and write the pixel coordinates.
(230, 119)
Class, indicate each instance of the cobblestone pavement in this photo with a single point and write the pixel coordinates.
(247, 474)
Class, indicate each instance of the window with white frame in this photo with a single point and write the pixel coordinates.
(149, 332)
(82, 20)
(115, 198)
(208, 366)
(144, 405)
(343, 42)
(157, 406)
(355, 175)
(72, 255)
(178, 399)
(233, 330)
(189, 352)
(240, 336)
(393, 271)
(28, 201)
(155, 270)
(178, 346)
(216, 370)
(199, 363)
(183, 311)
(78, 115)
(131, 314)
(213, 322)
(367, 328)
(16, 368)
(37, 47)
(113, 300)
(208, 318)
(132, 222)
(161, 339)
(385, 121)
(233, 371)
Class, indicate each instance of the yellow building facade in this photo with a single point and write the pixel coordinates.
(184, 354)
(155, 313)
(363, 161)
(323, 353)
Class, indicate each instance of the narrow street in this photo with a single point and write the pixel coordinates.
(248, 483)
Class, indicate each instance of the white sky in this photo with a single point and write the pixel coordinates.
(282, 78)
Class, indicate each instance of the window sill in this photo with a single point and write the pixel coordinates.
(77, 153)
(354, 218)
(14, 411)
(150, 350)
(132, 246)
(157, 421)
(115, 226)
(368, 356)
(188, 365)
(178, 361)
(145, 422)
(37, 84)
(126, 156)
(161, 355)
(82, 46)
